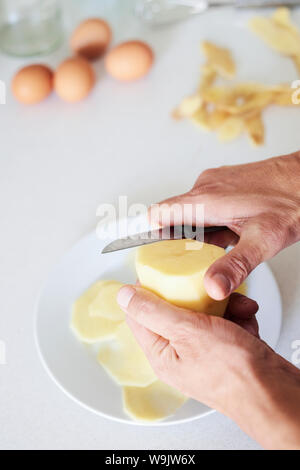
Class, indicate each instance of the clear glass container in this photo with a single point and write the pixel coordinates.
(30, 27)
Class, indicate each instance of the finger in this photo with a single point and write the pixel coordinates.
(240, 306)
(249, 325)
(154, 313)
(150, 342)
(222, 239)
(228, 272)
(193, 207)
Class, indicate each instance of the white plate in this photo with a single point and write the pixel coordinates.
(73, 366)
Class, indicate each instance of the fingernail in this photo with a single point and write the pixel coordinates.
(124, 296)
(221, 286)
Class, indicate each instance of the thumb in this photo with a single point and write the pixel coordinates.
(228, 272)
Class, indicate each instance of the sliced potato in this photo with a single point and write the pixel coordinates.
(90, 329)
(152, 403)
(125, 361)
(105, 303)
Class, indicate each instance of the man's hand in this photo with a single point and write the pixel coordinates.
(220, 362)
(196, 353)
(260, 205)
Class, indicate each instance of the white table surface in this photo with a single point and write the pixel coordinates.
(58, 162)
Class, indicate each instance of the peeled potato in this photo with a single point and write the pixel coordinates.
(152, 403)
(242, 289)
(175, 269)
(91, 329)
(105, 304)
(125, 361)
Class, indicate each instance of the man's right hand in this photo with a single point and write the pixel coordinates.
(260, 205)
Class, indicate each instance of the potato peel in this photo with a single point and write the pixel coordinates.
(255, 129)
(231, 110)
(220, 59)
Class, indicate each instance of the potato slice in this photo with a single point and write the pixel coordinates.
(105, 303)
(175, 269)
(125, 361)
(152, 403)
(90, 329)
(220, 59)
(255, 129)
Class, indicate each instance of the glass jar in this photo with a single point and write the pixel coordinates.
(30, 27)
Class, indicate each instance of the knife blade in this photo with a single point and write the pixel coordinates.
(177, 232)
(161, 12)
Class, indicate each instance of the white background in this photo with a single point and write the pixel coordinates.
(58, 162)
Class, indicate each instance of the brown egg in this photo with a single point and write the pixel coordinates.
(74, 79)
(32, 84)
(91, 38)
(129, 61)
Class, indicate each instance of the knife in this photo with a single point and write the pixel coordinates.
(160, 12)
(177, 232)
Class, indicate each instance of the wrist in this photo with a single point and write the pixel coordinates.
(266, 400)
